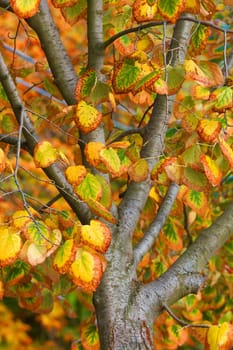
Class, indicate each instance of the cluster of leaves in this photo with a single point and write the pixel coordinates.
(46, 253)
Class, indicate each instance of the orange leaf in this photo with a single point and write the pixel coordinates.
(212, 171)
(25, 8)
(97, 235)
(92, 152)
(87, 118)
(144, 11)
(209, 130)
(75, 174)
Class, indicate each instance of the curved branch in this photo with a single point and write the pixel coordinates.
(186, 274)
(159, 23)
(147, 241)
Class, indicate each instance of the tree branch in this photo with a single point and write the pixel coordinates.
(159, 23)
(186, 274)
(147, 241)
(153, 137)
(53, 171)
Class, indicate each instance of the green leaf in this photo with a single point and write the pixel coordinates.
(170, 9)
(195, 180)
(223, 97)
(89, 188)
(125, 76)
(74, 13)
(111, 160)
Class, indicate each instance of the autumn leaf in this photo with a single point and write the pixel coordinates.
(125, 76)
(170, 9)
(92, 152)
(97, 235)
(144, 10)
(138, 171)
(10, 245)
(90, 336)
(25, 8)
(87, 118)
(98, 209)
(86, 84)
(227, 151)
(209, 130)
(73, 14)
(196, 200)
(89, 188)
(63, 3)
(64, 256)
(212, 171)
(220, 337)
(111, 160)
(75, 174)
(87, 269)
(44, 154)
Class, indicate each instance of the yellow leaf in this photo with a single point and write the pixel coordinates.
(75, 174)
(10, 245)
(87, 118)
(98, 209)
(44, 154)
(64, 256)
(111, 160)
(92, 152)
(97, 235)
(87, 269)
(212, 171)
(209, 130)
(89, 188)
(25, 8)
(220, 337)
(194, 72)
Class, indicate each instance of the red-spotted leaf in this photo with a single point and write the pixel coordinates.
(195, 179)
(89, 188)
(44, 154)
(87, 269)
(64, 256)
(10, 245)
(138, 171)
(98, 209)
(86, 84)
(87, 118)
(25, 8)
(171, 9)
(97, 235)
(125, 76)
(111, 160)
(75, 174)
(144, 10)
(63, 3)
(209, 130)
(227, 151)
(73, 14)
(212, 171)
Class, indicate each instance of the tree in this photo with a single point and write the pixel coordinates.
(116, 159)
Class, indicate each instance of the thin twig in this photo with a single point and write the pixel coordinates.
(182, 322)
